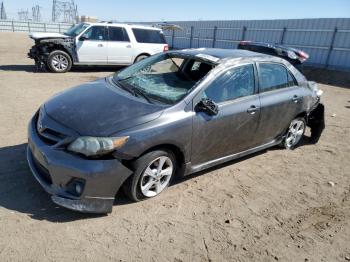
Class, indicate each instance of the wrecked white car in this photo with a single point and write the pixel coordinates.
(96, 44)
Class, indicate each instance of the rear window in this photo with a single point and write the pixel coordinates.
(149, 36)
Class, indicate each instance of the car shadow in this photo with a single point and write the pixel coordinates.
(20, 192)
(87, 69)
(327, 77)
(79, 69)
(306, 141)
(18, 68)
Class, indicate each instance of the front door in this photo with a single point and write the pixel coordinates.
(232, 130)
(92, 46)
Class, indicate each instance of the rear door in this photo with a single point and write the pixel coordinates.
(280, 98)
(92, 46)
(232, 130)
(120, 49)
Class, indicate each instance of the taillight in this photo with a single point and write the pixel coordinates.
(166, 48)
(244, 42)
(303, 54)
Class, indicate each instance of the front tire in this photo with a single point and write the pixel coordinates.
(59, 62)
(152, 175)
(295, 133)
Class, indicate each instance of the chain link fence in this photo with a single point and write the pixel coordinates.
(29, 26)
(327, 40)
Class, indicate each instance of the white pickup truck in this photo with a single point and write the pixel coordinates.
(96, 44)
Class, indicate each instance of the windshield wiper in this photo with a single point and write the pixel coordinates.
(125, 87)
(128, 77)
(134, 91)
(143, 94)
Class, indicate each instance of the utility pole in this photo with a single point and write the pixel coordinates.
(23, 15)
(2, 11)
(53, 16)
(36, 16)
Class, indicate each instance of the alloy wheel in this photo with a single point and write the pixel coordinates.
(295, 133)
(156, 176)
(59, 62)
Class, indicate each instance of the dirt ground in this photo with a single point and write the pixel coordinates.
(274, 205)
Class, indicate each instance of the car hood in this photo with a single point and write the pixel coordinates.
(36, 36)
(100, 109)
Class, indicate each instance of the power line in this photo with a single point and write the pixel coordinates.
(23, 15)
(64, 11)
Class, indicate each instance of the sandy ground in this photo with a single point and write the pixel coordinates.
(274, 205)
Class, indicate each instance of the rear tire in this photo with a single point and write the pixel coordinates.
(59, 62)
(294, 133)
(140, 57)
(152, 175)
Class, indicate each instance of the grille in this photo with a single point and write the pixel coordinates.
(43, 172)
(50, 136)
(47, 134)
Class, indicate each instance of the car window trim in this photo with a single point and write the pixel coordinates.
(296, 84)
(125, 34)
(236, 100)
(222, 72)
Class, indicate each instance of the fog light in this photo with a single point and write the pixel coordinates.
(78, 188)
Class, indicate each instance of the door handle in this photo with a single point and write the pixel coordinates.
(128, 46)
(100, 45)
(295, 99)
(252, 109)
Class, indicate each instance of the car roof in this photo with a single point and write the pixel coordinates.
(141, 26)
(217, 55)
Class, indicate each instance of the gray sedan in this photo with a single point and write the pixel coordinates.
(169, 115)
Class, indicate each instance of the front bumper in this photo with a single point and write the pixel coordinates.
(55, 169)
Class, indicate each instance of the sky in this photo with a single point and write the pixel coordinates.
(184, 10)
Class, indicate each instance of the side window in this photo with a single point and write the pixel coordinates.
(274, 76)
(117, 34)
(149, 36)
(233, 83)
(97, 33)
(196, 70)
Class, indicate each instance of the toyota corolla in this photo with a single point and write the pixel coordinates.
(171, 114)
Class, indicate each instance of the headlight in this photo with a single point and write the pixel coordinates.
(93, 146)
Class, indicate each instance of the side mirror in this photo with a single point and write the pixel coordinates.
(208, 106)
(83, 38)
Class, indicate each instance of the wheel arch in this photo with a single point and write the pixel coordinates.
(58, 47)
(179, 155)
(302, 114)
(144, 53)
(176, 150)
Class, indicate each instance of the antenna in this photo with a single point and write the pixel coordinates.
(64, 11)
(2, 11)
